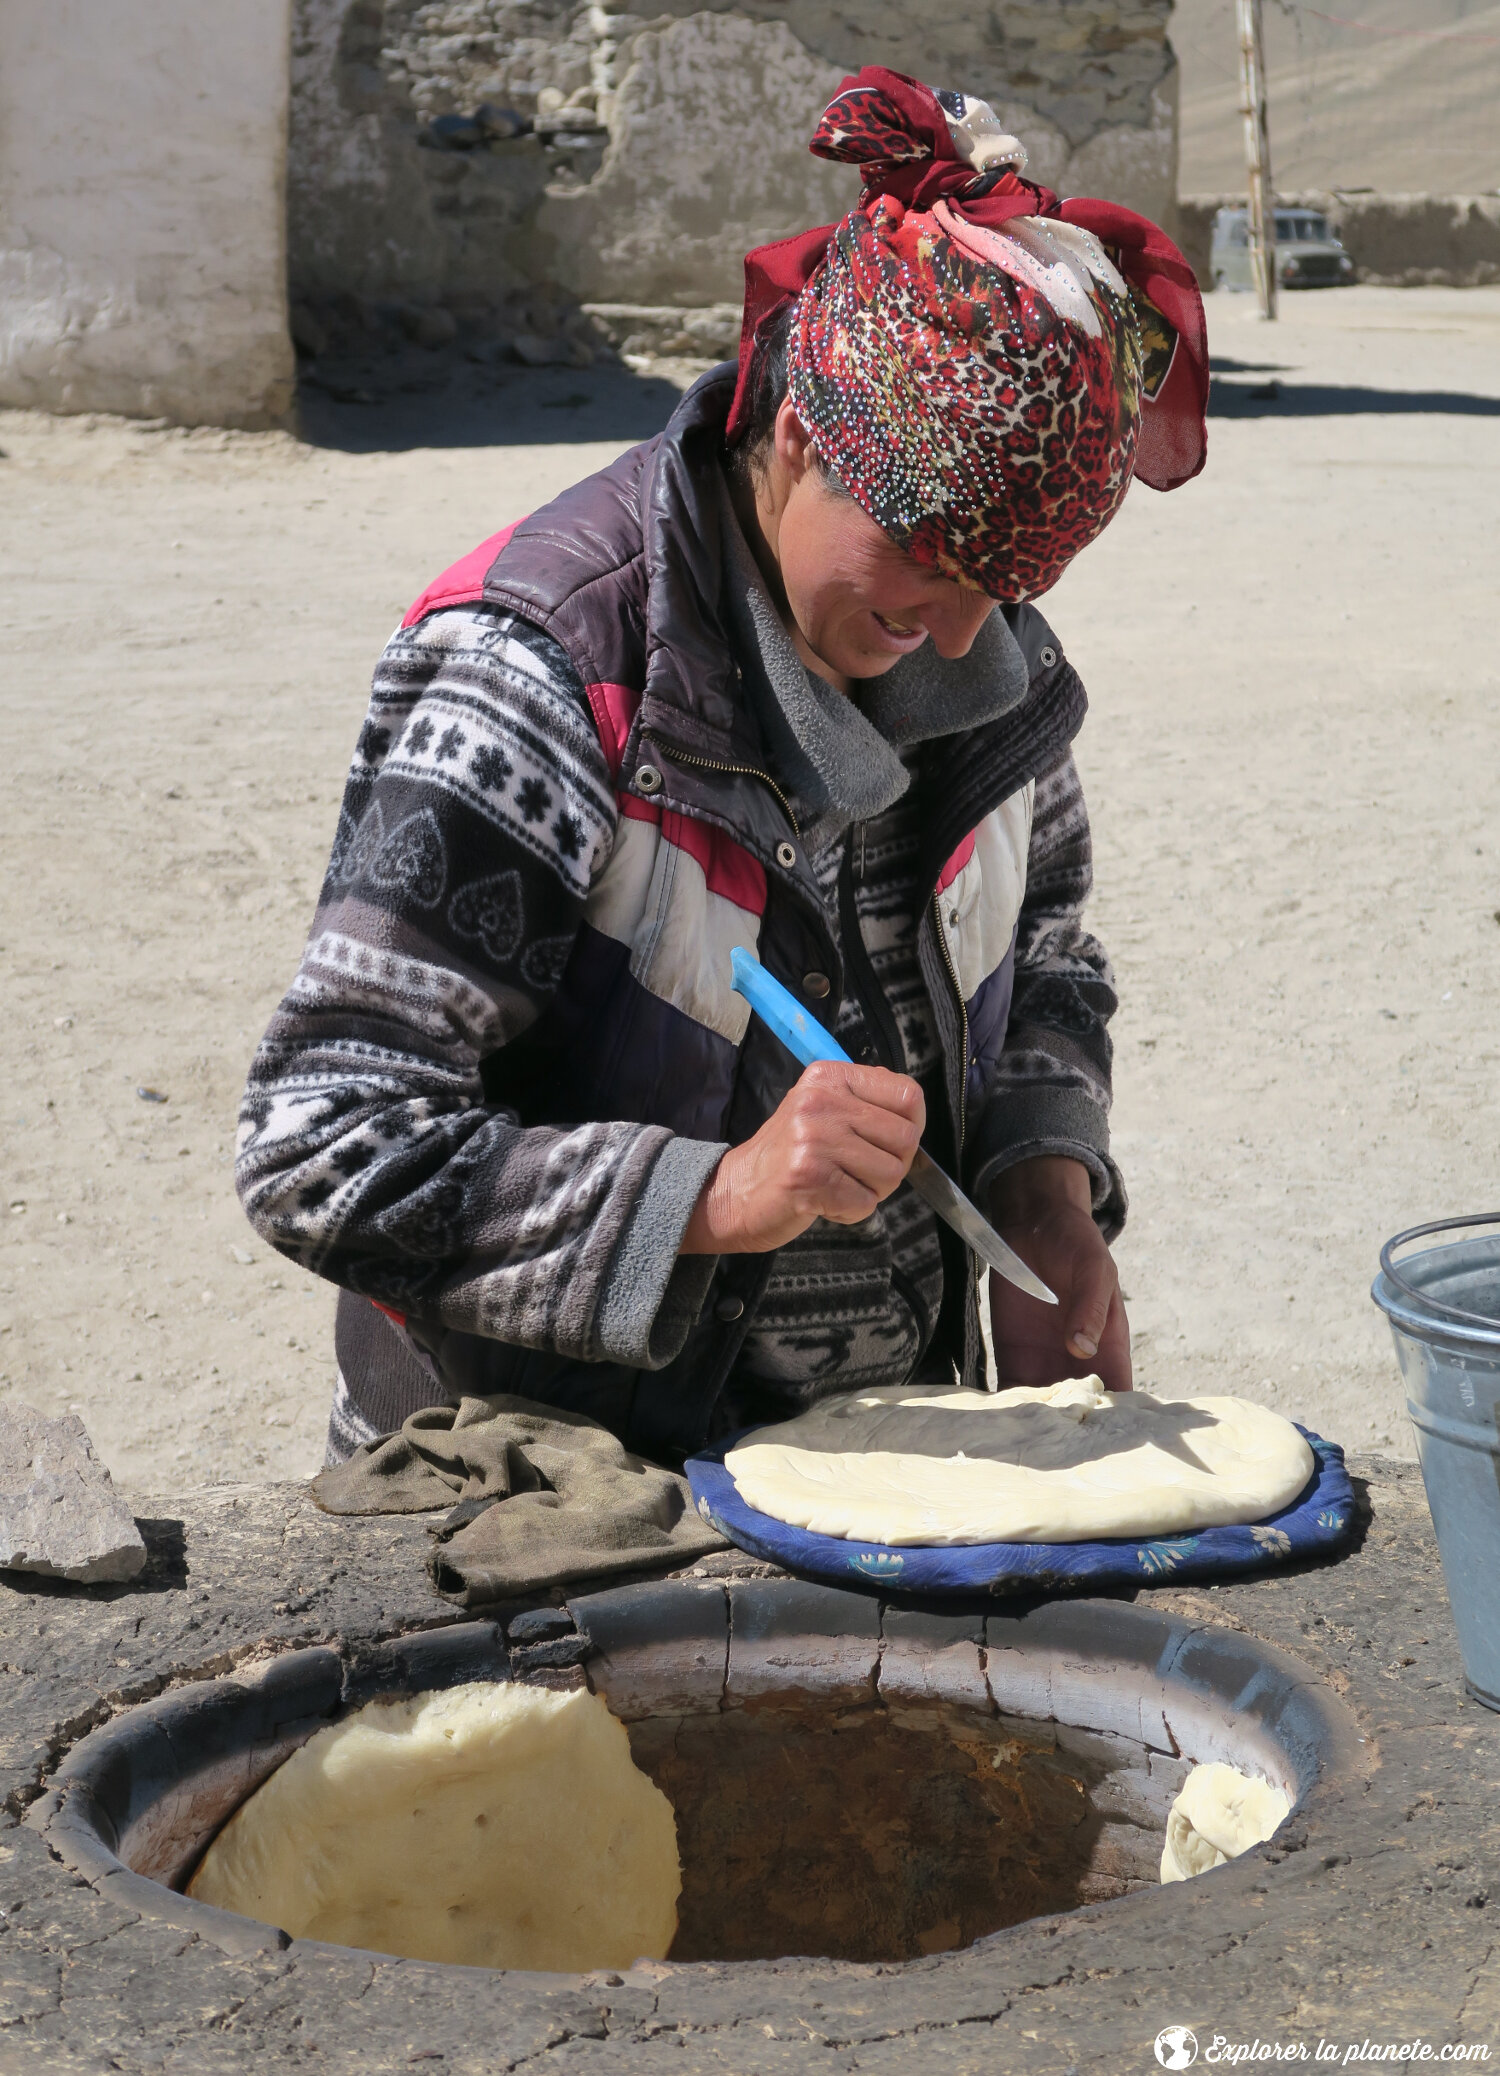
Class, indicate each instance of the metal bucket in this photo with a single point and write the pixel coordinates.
(1443, 1303)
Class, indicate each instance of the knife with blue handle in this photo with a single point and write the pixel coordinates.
(807, 1040)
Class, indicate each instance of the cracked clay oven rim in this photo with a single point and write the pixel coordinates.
(1124, 1696)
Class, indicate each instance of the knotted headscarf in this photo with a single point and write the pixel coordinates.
(983, 367)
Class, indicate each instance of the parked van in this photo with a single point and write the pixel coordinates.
(1308, 255)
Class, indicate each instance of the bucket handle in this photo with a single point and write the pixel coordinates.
(1421, 1297)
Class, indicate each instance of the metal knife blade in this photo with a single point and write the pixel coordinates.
(807, 1040)
(948, 1200)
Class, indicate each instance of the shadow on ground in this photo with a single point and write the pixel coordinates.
(460, 407)
(1276, 399)
(1222, 365)
(443, 404)
(166, 1571)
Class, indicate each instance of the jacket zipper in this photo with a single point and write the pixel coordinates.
(859, 974)
(734, 771)
(765, 778)
(963, 1022)
(971, 1259)
(907, 1291)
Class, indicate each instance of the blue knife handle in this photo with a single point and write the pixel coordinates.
(802, 1035)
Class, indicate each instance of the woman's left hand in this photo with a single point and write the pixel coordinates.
(1044, 1208)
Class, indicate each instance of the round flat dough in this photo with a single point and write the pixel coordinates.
(1219, 1813)
(496, 1826)
(1063, 1463)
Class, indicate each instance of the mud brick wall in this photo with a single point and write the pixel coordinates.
(630, 160)
(1400, 241)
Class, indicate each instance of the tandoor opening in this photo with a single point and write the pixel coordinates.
(840, 1787)
(882, 1834)
(506, 1826)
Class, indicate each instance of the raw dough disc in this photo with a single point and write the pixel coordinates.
(1063, 1463)
(1219, 1814)
(496, 1826)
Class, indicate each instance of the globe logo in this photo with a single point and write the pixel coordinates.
(1177, 2047)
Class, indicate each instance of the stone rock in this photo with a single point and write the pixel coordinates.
(571, 121)
(539, 1625)
(59, 1512)
(432, 327)
(533, 352)
(710, 332)
(501, 124)
(453, 133)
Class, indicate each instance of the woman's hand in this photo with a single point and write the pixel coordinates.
(1043, 1208)
(834, 1148)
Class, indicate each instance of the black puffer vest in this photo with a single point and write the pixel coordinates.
(624, 571)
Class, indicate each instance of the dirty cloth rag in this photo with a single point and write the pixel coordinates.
(543, 1497)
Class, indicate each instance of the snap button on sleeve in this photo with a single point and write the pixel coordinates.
(1047, 657)
(816, 985)
(729, 1309)
(648, 779)
(786, 853)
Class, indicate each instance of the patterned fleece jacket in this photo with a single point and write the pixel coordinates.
(480, 813)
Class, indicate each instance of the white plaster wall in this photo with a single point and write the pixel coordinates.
(142, 215)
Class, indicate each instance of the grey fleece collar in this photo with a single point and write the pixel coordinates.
(839, 754)
(832, 758)
(926, 695)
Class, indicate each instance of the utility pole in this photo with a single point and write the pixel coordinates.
(1257, 153)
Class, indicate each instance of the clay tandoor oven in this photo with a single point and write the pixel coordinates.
(848, 1780)
(935, 1832)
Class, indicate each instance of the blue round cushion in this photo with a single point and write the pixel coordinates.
(1319, 1522)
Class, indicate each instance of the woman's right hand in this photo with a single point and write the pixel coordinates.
(836, 1146)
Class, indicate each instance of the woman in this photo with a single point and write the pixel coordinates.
(774, 680)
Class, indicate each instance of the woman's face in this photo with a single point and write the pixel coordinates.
(858, 602)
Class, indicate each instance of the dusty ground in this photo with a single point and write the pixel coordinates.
(1291, 760)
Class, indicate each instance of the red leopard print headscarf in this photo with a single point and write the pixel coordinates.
(983, 367)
